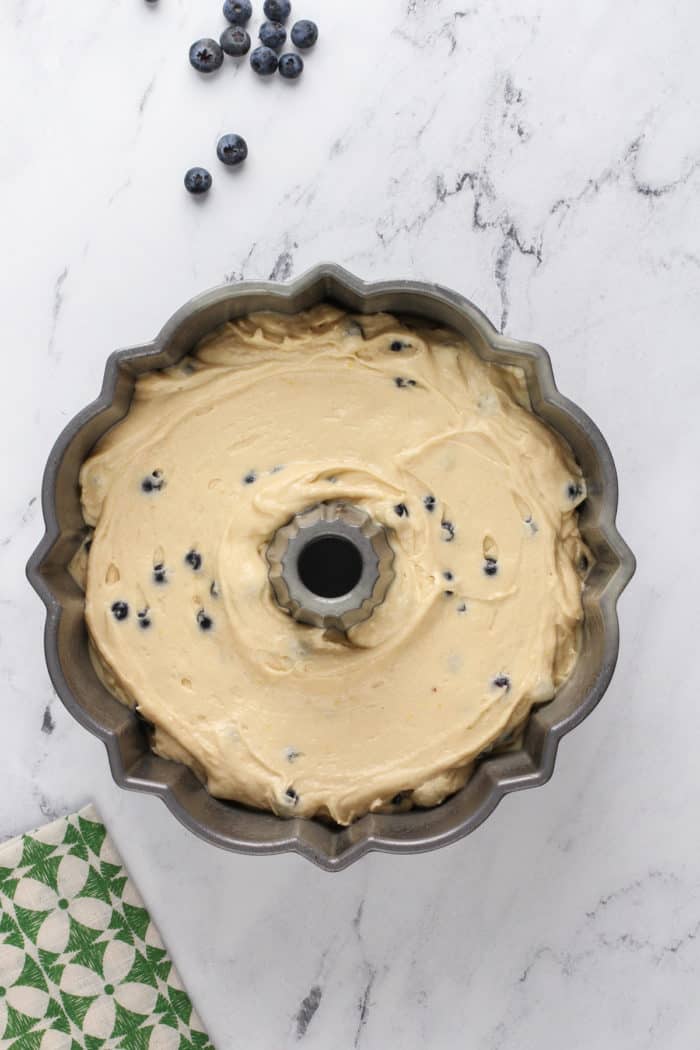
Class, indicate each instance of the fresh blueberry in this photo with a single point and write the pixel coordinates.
(250, 478)
(449, 594)
(401, 510)
(291, 796)
(402, 382)
(448, 530)
(502, 682)
(277, 10)
(574, 490)
(194, 559)
(462, 607)
(214, 589)
(235, 41)
(291, 66)
(304, 33)
(238, 11)
(490, 566)
(448, 575)
(159, 573)
(272, 34)
(197, 180)
(397, 346)
(401, 797)
(143, 619)
(205, 622)
(206, 55)
(120, 610)
(231, 150)
(429, 503)
(264, 61)
(154, 482)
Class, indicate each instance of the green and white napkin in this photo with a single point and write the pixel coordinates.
(82, 966)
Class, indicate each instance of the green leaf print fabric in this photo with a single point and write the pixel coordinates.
(82, 966)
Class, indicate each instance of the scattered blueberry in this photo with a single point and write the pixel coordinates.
(143, 619)
(429, 503)
(120, 610)
(238, 11)
(250, 478)
(401, 510)
(490, 566)
(291, 796)
(402, 382)
(159, 574)
(235, 41)
(231, 150)
(154, 482)
(206, 55)
(304, 33)
(449, 594)
(291, 754)
(397, 346)
(277, 10)
(214, 590)
(532, 525)
(205, 622)
(462, 607)
(264, 61)
(272, 34)
(574, 490)
(448, 529)
(502, 682)
(448, 575)
(197, 180)
(291, 66)
(194, 559)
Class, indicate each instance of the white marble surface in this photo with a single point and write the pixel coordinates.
(542, 157)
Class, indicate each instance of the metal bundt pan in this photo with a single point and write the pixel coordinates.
(233, 826)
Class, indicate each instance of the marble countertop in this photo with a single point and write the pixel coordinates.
(543, 158)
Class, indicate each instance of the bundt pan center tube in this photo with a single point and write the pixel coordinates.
(331, 566)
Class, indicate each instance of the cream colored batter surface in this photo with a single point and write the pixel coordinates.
(271, 415)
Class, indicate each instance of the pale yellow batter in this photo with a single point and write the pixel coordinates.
(270, 416)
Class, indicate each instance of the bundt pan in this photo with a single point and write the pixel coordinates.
(236, 827)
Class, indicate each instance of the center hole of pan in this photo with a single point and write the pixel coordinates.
(330, 566)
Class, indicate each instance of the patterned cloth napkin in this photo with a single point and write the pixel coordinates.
(82, 966)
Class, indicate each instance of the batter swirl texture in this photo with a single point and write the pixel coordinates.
(272, 415)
